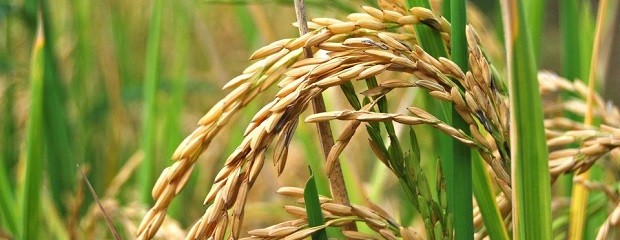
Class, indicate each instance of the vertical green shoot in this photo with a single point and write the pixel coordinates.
(463, 213)
(531, 192)
(151, 80)
(30, 198)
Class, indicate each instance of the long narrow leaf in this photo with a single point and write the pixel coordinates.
(579, 195)
(60, 160)
(151, 80)
(569, 18)
(313, 208)
(8, 215)
(485, 197)
(30, 199)
(531, 193)
(535, 17)
(463, 213)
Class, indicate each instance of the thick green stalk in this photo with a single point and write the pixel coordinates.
(463, 213)
(531, 193)
(30, 198)
(151, 79)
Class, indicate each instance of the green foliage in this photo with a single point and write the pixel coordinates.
(151, 80)
(313, 208)
(31, 192)
(530, 187)
(463, 224)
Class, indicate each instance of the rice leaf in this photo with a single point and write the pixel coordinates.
(485, 197)
(569, 18)
(151, 80)
(30, 198)
(313, 208)
(531, 192)
(579, 197)
(60, 160)
(535, 17)
(8, 215)
(462, 208)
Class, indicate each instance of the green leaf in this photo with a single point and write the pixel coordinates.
(485, 197)
(463, 206)
(569, 18)
(535, 17)
(531, 191)
(151, 79)
(8, 215)
(313, 208)
(30, 198)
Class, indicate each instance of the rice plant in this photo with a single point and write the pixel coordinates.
(396, 119)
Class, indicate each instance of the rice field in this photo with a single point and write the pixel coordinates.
(345, 119)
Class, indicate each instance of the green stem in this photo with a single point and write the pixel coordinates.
(463, 213)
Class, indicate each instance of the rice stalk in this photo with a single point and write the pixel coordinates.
(276, 58)
(462, 160)
(335, 176)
